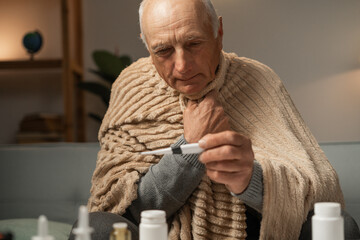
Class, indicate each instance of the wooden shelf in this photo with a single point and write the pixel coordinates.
(71, 66)
(31, 64)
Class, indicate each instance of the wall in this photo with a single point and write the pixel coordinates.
(21, 16)
(314, 46)
(27, 91)
(113, 26)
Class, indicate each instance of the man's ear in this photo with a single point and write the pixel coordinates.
(220, 32)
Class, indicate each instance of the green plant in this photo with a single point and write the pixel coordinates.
(109, 67)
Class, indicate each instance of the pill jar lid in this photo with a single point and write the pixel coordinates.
(120, 225)
(153, 216)
(327, 209)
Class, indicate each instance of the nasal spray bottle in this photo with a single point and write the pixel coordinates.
(83, 231)
(42, 230)
(153, 225)
(327, 222)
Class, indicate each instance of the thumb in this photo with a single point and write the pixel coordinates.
(191, 104)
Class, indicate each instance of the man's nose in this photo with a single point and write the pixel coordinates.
(182, 61)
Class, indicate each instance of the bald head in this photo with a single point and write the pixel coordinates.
(203, 8)
(182, 43)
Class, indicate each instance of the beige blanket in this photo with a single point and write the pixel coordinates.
(146, 114)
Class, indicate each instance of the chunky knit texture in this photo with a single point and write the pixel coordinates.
(146, 114)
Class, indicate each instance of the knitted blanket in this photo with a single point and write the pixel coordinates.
(146, 114)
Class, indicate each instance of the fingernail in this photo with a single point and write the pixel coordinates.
(202, 143)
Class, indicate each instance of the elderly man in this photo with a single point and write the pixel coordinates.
(261, 171)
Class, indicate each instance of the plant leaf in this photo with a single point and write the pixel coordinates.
(98, 89)
(108, 78)
(96, 117)
(126, 60)
(109, 63)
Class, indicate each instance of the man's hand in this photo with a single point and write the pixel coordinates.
(229, 159)
(228, 155)
(205, 117)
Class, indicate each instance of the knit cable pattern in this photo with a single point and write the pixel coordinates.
(146, 114)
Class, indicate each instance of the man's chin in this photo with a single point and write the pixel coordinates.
(190, 90)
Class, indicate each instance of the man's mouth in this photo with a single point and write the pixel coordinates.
(187, 78)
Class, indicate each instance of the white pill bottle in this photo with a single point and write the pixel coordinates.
(327, 222)
(153, 225)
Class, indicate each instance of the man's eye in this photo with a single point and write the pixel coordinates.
(194, 44)
(163, 51)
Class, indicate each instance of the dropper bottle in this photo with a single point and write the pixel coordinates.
(42, 230)
(83, 231)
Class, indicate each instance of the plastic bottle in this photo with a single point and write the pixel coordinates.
(327, 222)
(120, 232)
(83, 231)
(153, 225)
(42, 230)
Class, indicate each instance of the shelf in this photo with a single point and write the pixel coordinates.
(70, 64)
(31, 64)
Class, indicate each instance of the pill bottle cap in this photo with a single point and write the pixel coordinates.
(120, 225)
(327, 209)
(153, 216)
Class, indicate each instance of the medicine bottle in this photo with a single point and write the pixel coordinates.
(42, 230)
(327, 222)
(153, 225)
(120, 232)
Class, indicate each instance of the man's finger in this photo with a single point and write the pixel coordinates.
(223, 138)
(224, 153)
(225, 166)
(227, 178)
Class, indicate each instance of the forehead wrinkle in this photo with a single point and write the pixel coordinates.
(180, 39)
(173, 23)
(170, 32)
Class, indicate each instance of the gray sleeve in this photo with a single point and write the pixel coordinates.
(168, 184)
(253, 195)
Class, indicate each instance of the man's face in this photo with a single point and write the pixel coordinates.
(181, 43)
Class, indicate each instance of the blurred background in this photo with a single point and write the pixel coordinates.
(314, 46)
